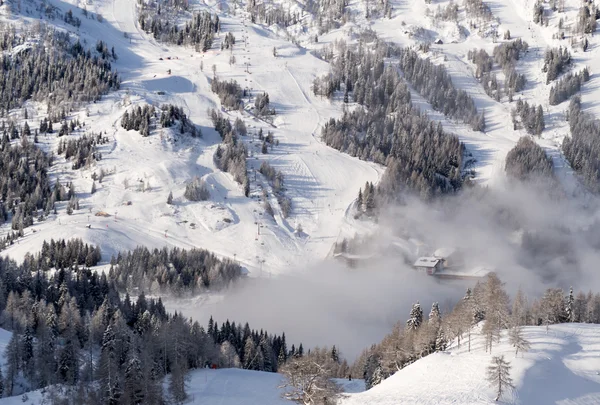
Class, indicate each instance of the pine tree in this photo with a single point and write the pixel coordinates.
(416, 317)
(334, 355)
(569, 306)
(281, 358)
(434, 315)
(498, 374)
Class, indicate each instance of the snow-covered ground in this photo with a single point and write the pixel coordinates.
(321, 182)
(562, 367)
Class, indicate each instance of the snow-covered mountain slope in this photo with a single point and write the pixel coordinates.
(321, 182)
(562, 367)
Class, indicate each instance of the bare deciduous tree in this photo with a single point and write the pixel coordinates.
(498, 373)
(518, 341)
(308, 382)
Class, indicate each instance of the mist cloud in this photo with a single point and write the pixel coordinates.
(355, 307)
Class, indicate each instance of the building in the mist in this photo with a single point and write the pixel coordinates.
(430, 265)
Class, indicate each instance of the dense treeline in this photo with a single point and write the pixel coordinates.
(586, 19)
(171, 115)
(506, 55)
(567, 86)
(71, 327)
(555, 62)
(479, 9)
(269, 14)
(25, 187)
(198, 32)
(528, 161)
(434, 83)
(139, 119)
(276, 180)
(53, 77)
(175, 271)
(420, 156)
(261, 105)
(144, 118)
(330, 14)
(531, 118)
(230, 93)
(582, 148)
(82, 150)
(196, 190)
(61, 254)
(488, 301)
(231, 155)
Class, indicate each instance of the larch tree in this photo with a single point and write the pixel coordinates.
(495, 301)
(498, 375)
(307, 382)
(517, 340)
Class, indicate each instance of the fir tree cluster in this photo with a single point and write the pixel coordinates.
(231, 155)
(25, 188)
(170, 115)
(54, 71)
(269, 14)
(176, 271)
(435, 84)
(556, 61)
(506, 55)
(447, 13)
(198, 32)
(261, 105)
(568, 86)
(82, 150)
(61, 254)
(230, 93)
(251, 349)
(139, 119)
(329, 14)
(366, 200)
(478, 9)
(196, 190)
(586, 19)
(228, 41)
(530, 117)
(69, 18)
(276, 180)
(582, 148)
(528, 161)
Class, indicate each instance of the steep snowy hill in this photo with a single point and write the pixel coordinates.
(562, 367)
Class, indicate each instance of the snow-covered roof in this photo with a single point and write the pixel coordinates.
(444, 252)
(427, 262)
